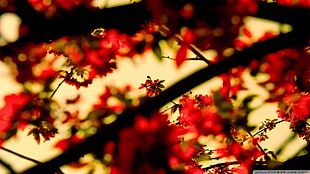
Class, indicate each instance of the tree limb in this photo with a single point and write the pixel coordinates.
(128, 19)
(80, 21)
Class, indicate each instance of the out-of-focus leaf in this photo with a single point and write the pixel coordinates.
(181, 55)
(157, 51)
(203, 157)
(248, 99)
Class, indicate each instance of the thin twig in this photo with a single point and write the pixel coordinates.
(167, 57)
(262, 130)
(52, 95)
(259, 146)
(69, 75)
(20, 155)
(58, 171)
(168, 108)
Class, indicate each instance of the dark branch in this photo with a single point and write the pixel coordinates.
(128, 19)
(275, 12)
(7, 166)
(80, 21)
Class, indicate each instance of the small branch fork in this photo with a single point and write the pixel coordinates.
(193, 58)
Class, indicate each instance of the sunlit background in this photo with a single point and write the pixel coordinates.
(133, 72)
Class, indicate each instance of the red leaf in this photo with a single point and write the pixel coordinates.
(110, 147)
(13, 103)
(239, 44)
(301, 108)
(247, 32)
(62, 144)
(47, 74)
(188, 36)
(181, 55)
(4, 125)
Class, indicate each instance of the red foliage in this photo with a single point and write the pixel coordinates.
(246, 157)
(144, 143)
(50, 8)
(152, 87)
(66, 143)
(301, 108)
(14, 104)
(216, 34)
(300, 3)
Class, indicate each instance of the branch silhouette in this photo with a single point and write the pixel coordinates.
(81, 21)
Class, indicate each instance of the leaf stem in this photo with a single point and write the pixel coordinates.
(58, 171)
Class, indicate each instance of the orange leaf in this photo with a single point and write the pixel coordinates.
(77, 164)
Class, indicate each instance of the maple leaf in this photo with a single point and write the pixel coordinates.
(152, 87)
(43, 130)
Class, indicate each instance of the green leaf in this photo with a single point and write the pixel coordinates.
(225, 106)
(217, 97)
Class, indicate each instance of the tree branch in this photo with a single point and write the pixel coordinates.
(110, 132)
(80, 21)
(127, 18)
(277, 13)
